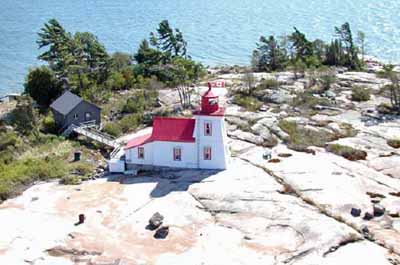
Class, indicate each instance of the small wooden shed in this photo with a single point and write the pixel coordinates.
(70, 109)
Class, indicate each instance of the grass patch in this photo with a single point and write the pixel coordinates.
(307, 100)
(395, 143)
(347, 152)
(300, 138)
(248, 102)
(360, 94)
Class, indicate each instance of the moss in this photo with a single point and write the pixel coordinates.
(395, 143)
(268, 84)
(248, 102)
(360, 94)
(71, 180)
(300, 138)
(308, 101)
(347, 152)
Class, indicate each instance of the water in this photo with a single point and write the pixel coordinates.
(218, 31)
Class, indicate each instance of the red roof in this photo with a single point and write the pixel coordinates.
(167, 130)
(140, 140)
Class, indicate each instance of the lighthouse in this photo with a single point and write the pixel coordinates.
(180, 142)
(210, 132)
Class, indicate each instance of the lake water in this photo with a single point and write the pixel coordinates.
(218, 31)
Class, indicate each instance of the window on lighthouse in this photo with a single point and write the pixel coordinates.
(140, 152)
(207, 128)
(177, 154)
(207, 153)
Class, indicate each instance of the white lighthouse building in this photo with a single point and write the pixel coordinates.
(198, 142)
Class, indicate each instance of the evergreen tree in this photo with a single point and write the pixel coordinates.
(269, 56)
(169, 41)
(41, 84)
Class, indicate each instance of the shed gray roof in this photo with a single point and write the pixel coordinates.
(66, 102)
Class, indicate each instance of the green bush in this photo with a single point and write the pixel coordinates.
(360, 94)
(70, 180)
(24, 172)
(134, 105)
(49, 124)
(308, 101)
(130, 122)
(347, 152)
(113, 129)
(248, 102)
(300, 138)
(268, 84)
(395, 143)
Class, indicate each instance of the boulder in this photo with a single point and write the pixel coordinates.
(379, 210)
(247, 137)
(155, 221)
(162, 232)
(355, 212)
(278, 97)
(368, 216)
(269, 139)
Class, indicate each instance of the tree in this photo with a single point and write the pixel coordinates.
(184, 73)
(41, 84)
(58, 41)
(394, 87)
(168, 41)
(120, 60)
(346, 37)
(303, 48)
(148, 57)
(24, 117)
(269, 56)
(298, 67)
(79, 57)
(361, 43)
(249, 81)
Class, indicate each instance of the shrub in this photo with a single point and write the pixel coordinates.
(113, 129)
(248, 102)
(24, 172)
(395, 143)
(134, 105)
(130, 122)
(360, 94)
(70, 180)
(268, 84)
(308, 101)
(300, 138)
(82, 169)
(49, 125)
(347, 152)
(385, 108)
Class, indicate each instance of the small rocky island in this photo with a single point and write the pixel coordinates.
(331, 198)
(313, 175)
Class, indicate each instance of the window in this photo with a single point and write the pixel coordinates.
(88, 116)
(76, 116)
(207, 153)
(177, 154)
(213, 101)
(140, 151)
(207, 128)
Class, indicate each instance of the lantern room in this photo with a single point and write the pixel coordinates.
(209, 102)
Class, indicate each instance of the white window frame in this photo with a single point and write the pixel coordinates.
(76, 116)
(140, 152)
(207, 153)
(88, 114)
(209, 123)
(175, 151)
